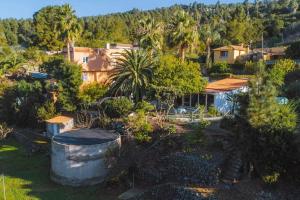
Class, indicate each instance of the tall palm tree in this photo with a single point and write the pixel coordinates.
(183, 32)
(69, 26)
(209, 35)
(150, 34)
(132, 74)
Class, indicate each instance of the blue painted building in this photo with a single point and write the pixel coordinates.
(220, 91)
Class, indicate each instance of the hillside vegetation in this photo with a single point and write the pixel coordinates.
(277, 20)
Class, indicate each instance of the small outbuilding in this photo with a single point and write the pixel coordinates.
(59, 124)
(221, 91)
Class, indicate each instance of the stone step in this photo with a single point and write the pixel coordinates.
(129, 194)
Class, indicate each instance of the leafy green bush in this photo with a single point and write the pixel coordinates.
(140, 127)
(119, 107)
(271, 178)
(250, 67)
(171, 129)
(218, 76)
(47, 111)
(92, 92)
(198, 137)
(221, 67)
(293, 51)
(20, 103)
(145, 106)
(213, 112)
(69, 80)
(279, 71)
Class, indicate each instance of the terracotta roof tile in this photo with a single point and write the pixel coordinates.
(226, 48)
(226, 84)
(59, 119)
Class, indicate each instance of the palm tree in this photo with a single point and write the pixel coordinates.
(183, 32)
(209, 35)
(150, 34)
(132, 74)
(69, 26)
(11, 63)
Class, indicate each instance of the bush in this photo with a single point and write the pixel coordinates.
(218, 76)
(92, 92)
(140, 127)
(47, 111)
(144, 106)
(228, 123)
(271, 178)
(250, 68)
(20, 103)
(213, 112)
(171, 129)
(116, 108)
(279, 71)
(221, 67)
(293, 51)
(69, 80)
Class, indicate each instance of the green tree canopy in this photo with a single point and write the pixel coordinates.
(69, 80)
(183, 32)
(46, 22)
(173, 75)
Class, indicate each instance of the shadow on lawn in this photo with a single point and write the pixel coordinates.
(28, 178)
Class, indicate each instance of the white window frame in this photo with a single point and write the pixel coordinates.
(85, 59)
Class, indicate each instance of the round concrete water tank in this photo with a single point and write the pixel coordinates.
(78, 156)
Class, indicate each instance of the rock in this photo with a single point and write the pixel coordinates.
(131, 194)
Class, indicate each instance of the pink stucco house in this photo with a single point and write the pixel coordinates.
(97, 63)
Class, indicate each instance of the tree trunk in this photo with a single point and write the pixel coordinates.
(182, 53)
(208, 57)
(68, 49)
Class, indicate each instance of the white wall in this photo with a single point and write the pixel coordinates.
(55, 129)
(220, 100)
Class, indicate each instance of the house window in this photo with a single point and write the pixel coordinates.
(224, 54)
(85, 59)
(84, 77)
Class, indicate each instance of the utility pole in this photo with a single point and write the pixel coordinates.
(262, 46)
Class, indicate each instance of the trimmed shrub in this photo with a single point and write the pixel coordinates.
(218, 76)
(117, 108)
(92, 92)
(221, 67)
(47, 111)
(140, 127)
(144, 106)
(250, 67)
(213, 112)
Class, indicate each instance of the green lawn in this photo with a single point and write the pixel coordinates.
(27, 178)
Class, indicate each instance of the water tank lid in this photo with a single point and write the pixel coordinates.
(86, 136)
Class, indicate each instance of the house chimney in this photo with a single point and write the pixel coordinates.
(107, 45)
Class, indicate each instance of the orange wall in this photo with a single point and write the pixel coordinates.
(100, 63)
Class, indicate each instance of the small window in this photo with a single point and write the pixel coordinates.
(85, 59)
(84, 77)
(224, 54)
